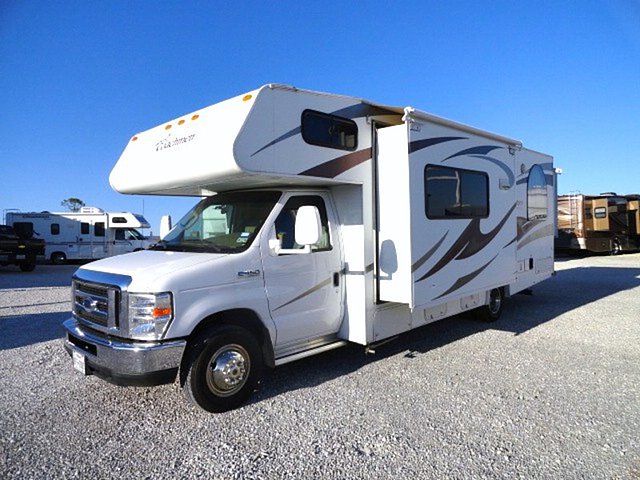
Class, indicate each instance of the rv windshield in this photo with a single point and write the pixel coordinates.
(224, 223)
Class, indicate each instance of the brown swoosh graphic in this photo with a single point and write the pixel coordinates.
(335, 167)
(427, 255)
(462, 281)
(470, 242)
(308, 292)
(525, 226)
(541, 233)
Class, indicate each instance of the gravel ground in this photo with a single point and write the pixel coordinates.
(552, 390)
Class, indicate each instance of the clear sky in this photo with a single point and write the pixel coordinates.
(79, 78)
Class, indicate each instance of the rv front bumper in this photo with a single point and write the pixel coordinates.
(123, 362)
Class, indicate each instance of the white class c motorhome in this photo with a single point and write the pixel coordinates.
(334, 220)
(90, 233)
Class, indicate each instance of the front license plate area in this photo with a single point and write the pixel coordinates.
(79, 362)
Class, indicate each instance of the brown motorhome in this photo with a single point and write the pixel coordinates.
(605, 223)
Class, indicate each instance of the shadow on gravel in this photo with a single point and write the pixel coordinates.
(24, 330)
(568, 290)
(42, 276)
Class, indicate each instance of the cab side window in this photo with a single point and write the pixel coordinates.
(285, 223)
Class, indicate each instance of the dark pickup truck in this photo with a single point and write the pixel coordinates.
(17, 250)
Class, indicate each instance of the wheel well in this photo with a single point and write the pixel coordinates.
(245, 318)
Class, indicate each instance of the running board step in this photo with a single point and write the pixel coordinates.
(310, 352)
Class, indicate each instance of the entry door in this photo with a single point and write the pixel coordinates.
(536, 212)
(85, 249)
(305, 291)
(99, 244)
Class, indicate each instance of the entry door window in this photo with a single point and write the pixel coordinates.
(537, 194)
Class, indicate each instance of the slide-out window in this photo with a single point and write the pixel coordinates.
(55, 229)
(327, 130)
(84, 228)
(455, 193)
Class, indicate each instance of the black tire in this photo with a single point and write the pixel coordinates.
(492, 311)
(28, 266)
(222, 368)
(616, 247)
(58, 258)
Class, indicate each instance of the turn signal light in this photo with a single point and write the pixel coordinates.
(161, 312)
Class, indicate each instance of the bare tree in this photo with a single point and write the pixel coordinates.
(72, 204)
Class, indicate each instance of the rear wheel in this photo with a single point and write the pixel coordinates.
(492, 311)
(222, 368)
(58, 258)
(616, 247)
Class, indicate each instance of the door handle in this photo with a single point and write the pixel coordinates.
(249, 273)
(336, 279)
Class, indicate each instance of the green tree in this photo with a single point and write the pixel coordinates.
(72, 204)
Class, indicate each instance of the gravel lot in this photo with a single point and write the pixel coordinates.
(550, 391)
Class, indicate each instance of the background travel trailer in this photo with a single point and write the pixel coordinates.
(336, 220)
(88, 234)
(606, 223)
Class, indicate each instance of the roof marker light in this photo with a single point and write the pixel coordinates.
(247, 98)
(195, 117)
(134, 139)
(180, 122)
(167, 127)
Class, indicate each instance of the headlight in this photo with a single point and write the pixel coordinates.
(149, 315)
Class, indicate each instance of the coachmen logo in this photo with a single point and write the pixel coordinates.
(170, 141)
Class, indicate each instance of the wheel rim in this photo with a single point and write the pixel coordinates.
(228, 370)
(495, 301)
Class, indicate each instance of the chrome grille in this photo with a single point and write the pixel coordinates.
(96, 304)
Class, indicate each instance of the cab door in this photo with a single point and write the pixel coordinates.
(304, 291)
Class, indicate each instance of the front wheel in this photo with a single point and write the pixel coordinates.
(223, 367)
(492, 311)
(28, 266)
